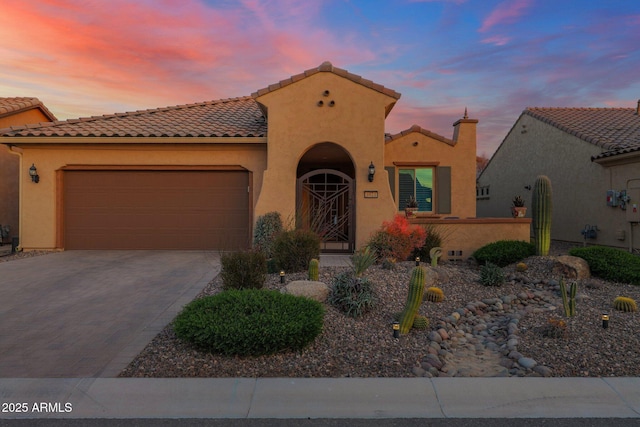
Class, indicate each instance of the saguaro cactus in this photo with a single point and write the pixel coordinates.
(414, 299)
(313, 269)
(541, 214)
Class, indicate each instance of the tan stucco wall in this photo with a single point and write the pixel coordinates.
(10, 170)
(579, 185)
(356, 123)
(465, 236)
(460, 157)
(38, 228)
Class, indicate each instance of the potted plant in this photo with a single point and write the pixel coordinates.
(518, 209)
(411, 208)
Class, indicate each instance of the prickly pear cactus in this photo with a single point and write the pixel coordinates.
(313, 269)
(541, 213)
(414, 299)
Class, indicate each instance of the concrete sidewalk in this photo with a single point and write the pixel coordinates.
(362, 398)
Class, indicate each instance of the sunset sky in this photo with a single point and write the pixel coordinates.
(495, 57)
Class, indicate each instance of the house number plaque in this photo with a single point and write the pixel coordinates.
(370, 194)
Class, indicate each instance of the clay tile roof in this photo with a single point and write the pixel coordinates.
(415, 128)
(327, 67)
(616, 130)
(14, 105)
(234, 117)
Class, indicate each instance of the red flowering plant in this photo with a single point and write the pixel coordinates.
(397, 239)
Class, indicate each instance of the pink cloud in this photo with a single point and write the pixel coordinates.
(507, 12)
(154, 53)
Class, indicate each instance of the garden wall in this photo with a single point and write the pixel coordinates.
(461, 237)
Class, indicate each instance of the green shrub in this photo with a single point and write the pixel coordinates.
(504, 252)
(432, 240)
(243, 270)
(610, 264)
(293, 249)
(352, 295)
(491, 275)
(268, 226)
(396, 239)
(250, 322)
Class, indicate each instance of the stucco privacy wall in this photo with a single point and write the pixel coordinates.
(461, 238)
(579, 185)
(355, 122)
(39, 202)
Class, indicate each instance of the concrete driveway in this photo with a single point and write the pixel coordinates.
(89, 313)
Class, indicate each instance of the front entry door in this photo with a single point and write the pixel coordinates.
(325, 204)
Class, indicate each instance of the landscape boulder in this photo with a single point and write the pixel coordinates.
(307, 288)
(571, 267)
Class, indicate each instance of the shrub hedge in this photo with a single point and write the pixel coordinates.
(611, 264)
(243, 270)
(250, 322)
(293, 249)
(504, 252)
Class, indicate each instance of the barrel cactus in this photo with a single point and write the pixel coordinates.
(541, 213)
(625, 304)
(434, 294)
(313, 269)
(414, 299)
(420, 322)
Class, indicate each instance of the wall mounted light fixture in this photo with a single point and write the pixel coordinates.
(372, 171)
(33, 173)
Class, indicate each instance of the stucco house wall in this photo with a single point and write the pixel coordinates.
(15, 112)
(532, 148)
(39, 201)
(298, 122)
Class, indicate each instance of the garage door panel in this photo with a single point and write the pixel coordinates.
(156, 210)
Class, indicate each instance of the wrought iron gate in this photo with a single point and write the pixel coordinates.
(325, 204)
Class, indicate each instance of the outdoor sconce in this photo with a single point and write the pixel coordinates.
(605, 321)
(527, 187)
(33, 173)
(372, 171)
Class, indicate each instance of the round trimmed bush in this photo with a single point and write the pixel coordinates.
(504, 252)
(610, 264)
(250, 322)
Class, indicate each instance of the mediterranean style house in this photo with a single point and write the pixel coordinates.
(591, 155)
(312, 147)
(15, 112)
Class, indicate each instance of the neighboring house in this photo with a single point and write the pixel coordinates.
(592, 157)
(15, 112)
(197, 176)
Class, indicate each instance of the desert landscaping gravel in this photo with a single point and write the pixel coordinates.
(475, 331)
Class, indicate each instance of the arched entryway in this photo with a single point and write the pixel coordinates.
(325, 200)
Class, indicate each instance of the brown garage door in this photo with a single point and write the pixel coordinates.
(156, 209)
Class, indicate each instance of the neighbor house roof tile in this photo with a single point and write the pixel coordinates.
(616, 130)
(14, 105)
(234, 117)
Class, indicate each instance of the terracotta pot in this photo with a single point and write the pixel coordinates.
(518, 212)
(410, 212)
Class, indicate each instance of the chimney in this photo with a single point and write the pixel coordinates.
(464, 130)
